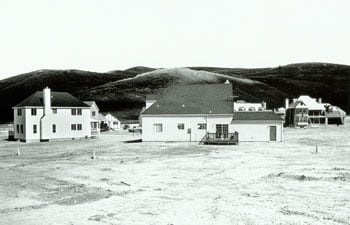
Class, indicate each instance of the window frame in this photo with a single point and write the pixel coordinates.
(35, 129)
(181, 126)
(158, 127)
(202, 126)
(54, 128)
(79, 111)
(33, 111)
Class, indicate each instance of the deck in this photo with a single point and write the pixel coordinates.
(220, 139)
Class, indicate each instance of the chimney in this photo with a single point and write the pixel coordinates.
(227, 82)
(47, 100)
(286, 103)
(320, 100)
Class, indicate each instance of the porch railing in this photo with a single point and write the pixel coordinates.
(220, 138)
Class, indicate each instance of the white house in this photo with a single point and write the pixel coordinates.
(243, 106)
(305, 110)
(109, 120)
(206, 111)
(47, 115)
(95, 123)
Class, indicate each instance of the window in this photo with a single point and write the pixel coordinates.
(17, 128)
(53, 128)
(260, 109)
(73, 127)
(202, 126)
(74, 112)
(34, 129)
(22, 128)
(251, 109)
(115, 123)
(180, 126)
(241, 109)
(93, 113)
(79, 112)
(33, 112)
(79, 126)
(19, 112)
(158, 127)
(54, 110)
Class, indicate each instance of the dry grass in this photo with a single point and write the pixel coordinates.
(178, 183)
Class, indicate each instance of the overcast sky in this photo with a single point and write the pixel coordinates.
(104, 35)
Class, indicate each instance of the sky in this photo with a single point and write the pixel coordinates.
(105, 35)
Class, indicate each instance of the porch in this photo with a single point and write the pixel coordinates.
(220, 139)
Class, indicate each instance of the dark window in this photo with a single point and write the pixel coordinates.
(74, 112)
(251, 109)
(54, 111)
(17, 128)
(93, 113)
(34, 129)
(202, 126)
(73, 127)
(241, 109)
(53, 128)
(180, 126)
(22, 128)
(79, 111)
(79, 126)
(33, 112)
(19, 112)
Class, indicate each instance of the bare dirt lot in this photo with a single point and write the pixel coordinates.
(178, 183)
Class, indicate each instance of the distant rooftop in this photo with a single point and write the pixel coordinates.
(265, 115)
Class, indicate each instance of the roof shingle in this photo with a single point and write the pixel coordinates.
(194, 99)
(265, 115)
(58, 99)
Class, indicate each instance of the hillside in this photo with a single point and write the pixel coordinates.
(124, 91)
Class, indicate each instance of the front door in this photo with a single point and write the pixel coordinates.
(222, 131)
(273, 133)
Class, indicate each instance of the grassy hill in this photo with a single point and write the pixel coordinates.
(124, 91)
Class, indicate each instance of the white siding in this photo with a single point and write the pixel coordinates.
(248, 130)
(257, 130)
(63, 120)
(171, 131)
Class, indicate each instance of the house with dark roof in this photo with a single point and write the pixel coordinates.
(47, 115)
(205, 113)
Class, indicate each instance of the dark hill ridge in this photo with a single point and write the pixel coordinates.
(124, 91)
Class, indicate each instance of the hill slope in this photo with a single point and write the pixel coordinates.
(125, 91)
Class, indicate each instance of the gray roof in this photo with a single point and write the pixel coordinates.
(265, 115)
(58, 99)
(194, 99)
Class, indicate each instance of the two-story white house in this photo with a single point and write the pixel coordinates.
(47, 115)
(205, 113)
(95, 122)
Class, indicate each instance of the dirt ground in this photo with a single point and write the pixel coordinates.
(178, 183)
